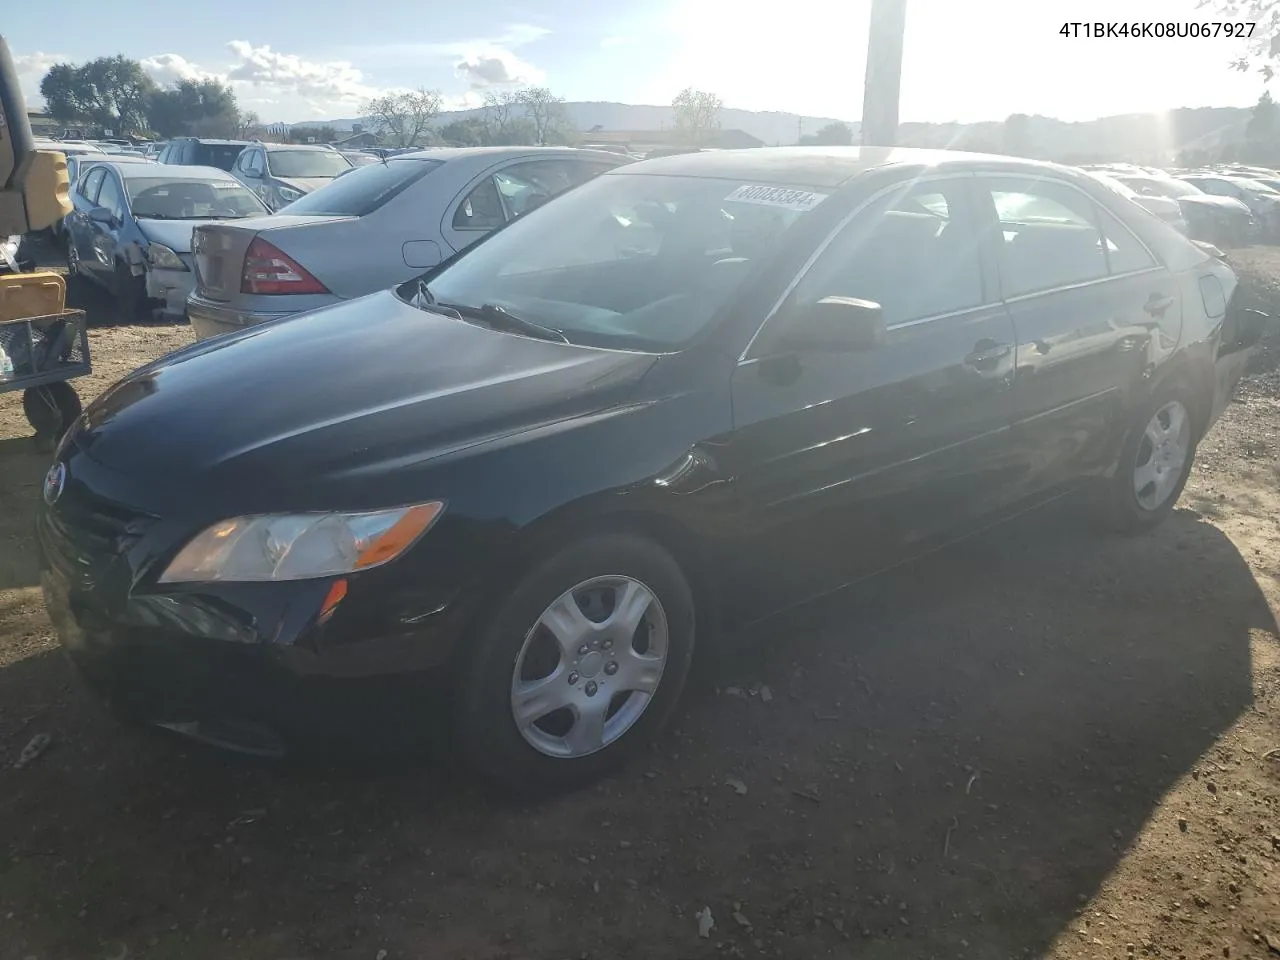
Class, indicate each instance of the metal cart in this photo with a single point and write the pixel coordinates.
(44, 353)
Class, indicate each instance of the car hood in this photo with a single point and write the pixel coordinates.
(335, 393)
(174, 234)
(305, 184)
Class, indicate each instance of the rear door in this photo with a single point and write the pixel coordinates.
(847, 462)
(1090, 304)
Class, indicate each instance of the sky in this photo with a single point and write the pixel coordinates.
(296, 60)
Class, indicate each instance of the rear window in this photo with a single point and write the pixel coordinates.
(220, 155)
(364, 189)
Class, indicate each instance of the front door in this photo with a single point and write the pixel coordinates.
(847, 462)
(106, 236)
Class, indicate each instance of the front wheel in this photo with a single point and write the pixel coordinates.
(1155, 461)
(580, 666)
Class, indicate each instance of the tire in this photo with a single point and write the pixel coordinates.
(556, 749)
(51, 409)
(1133, 503)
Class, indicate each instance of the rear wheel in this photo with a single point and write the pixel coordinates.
(51, 409)
(580, 666)
(1155, 461)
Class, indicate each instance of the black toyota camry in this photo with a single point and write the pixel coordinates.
(673, 401)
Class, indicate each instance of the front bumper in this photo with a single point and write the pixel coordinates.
(251, 666)
(172, 287)
(209, 319)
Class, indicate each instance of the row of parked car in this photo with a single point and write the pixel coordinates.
(523, 486)
(1228, 206)
(192, 238)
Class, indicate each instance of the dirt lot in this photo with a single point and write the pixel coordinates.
(1043, 743)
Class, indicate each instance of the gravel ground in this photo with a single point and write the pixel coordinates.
(1040, 743)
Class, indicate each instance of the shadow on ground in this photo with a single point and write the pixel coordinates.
(948, 762)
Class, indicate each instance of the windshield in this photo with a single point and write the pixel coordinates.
(220, 155)
(630, 261)
(157, 198)
(364, 189)
(306, 163)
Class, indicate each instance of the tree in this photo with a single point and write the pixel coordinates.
(1262, 48)
(195, 107)
(321, 134)
(832, 135)
(1262, 132)
(1018, 141)
(497, 116)
(467, 132)
(403, 118)
(697, 115)
(112, 92)
(248, 125)
(545, 111)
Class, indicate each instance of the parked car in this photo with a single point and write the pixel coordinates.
(74, 163)
(680, 397)
(1225, 221)
(70, 149)
(200, 152)
(360, 158)
(130, 230)
(1166, 208)
(153, 150)
(1262, 201)
(374, 227)
(280, 173)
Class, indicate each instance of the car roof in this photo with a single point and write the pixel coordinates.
(165, 171)
(295, 146)
(819, 166)
(460, 153)
(213, 140)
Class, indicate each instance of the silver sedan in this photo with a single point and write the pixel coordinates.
(372, 228)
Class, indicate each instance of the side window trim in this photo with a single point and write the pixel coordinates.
(466, 195)
(989, 296)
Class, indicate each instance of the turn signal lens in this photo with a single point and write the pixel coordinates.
(300, 546)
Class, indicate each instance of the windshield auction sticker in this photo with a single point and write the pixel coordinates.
(799, 200)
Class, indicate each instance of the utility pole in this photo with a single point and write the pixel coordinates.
(884, 73)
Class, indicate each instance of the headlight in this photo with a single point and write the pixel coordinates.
(158, 255)
(288, 194)
(300, 546)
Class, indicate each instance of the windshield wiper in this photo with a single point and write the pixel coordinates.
(501, 317)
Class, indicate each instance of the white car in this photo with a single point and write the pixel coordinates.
(1166, 208)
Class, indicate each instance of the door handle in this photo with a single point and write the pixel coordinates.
(987, 352)
(1157, 305)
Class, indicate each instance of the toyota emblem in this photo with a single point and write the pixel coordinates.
(54, 481)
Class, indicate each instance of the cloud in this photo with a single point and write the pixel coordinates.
(169, 68)
(329, 81)
(31, 68)
(496, 67)
(608, 43)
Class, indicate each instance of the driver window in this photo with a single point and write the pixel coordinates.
(111, 198)
(481, 210)
(915, 252)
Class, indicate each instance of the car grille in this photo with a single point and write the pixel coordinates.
(85, 534)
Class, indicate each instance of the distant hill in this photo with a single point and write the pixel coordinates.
(1152, 138)
(771, 127)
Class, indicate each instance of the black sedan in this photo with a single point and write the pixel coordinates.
(674, 401)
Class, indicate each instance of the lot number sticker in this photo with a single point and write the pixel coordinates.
(799, 200)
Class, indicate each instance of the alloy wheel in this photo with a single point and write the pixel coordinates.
(1163, 455)
(590, 666)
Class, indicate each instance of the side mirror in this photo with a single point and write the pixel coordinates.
(834, 323)
(102, 215)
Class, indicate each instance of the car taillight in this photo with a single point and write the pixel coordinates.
(268, 269)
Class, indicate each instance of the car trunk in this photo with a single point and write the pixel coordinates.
(220, 248)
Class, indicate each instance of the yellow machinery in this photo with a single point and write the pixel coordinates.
(42, 344)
